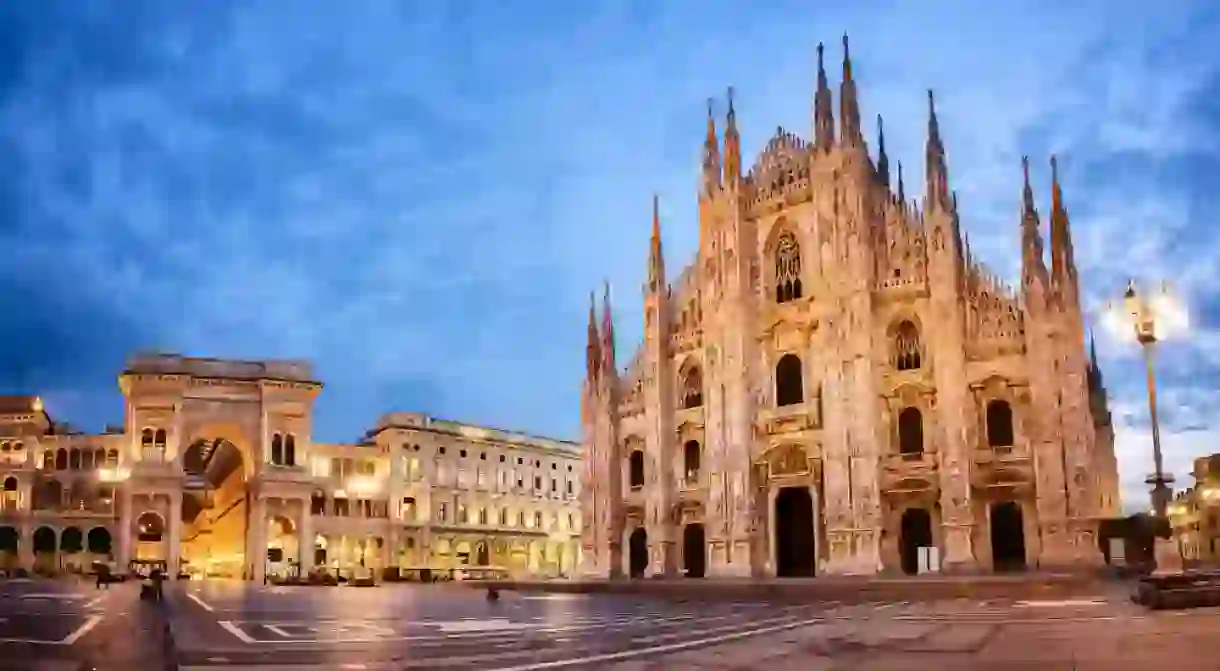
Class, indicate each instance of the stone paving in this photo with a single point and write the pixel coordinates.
(62, 626)
(1179, 640)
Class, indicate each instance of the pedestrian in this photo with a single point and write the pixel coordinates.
(157, 577)
(103, 576)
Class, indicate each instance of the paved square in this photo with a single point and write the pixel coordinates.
(47, 613)
(426, 626)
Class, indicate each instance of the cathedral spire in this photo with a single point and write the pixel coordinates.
(883, 161)
(711, 153)
(823, 117)
(593, 348)
(849, 103)
(902, 191)
(609, 366)
(732, 145)
(656, 260)
(937, 177)
(1063, 261)
(1033, 265)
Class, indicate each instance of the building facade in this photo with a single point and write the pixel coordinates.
(1194, 514)
(835, 383)
(215, 473)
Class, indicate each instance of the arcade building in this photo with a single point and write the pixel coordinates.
(214, 473)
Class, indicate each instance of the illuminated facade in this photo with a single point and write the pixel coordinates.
(216, 474)
(836, 384)
(1195, 514)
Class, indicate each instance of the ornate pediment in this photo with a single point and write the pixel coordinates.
(787, 460)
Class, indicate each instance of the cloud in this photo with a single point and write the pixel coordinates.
(418, 196)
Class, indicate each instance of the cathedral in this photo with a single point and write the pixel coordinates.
(835, 385)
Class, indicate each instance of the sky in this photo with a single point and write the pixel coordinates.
(419, 196)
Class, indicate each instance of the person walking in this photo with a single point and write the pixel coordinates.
(103, 576)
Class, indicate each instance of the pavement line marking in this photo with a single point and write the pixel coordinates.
(1062, 604)
(84, 629)
(277, 629)
(663, 649)
(233, 629)
(93, 602)
(203, 604)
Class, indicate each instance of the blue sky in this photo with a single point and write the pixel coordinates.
(419, 196)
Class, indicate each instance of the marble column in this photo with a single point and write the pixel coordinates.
(175, 535)
(305, 539)
(126, 519)
(256, 539)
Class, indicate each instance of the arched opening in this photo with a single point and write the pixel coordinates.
(787, 268)
(71, 541)
(795, 547)
(637, 553)
(216, 515)
(907, 354)
(45, 544)
(916, 533)
(10, 542)
(692, 388)
(635, 468)
(690, 460)
(74, 459)
(283, 548)
(480, 555)
(910, 431)
(1007, 536)
(999, 424)
(99, 541)
(61, 459)
(11, 500)
(277, 449)
(694, 554)
(789, 386)
(290, 450)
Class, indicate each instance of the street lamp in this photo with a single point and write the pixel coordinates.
(1152, 319)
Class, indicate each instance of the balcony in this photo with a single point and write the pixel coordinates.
(692, 488)
(1006, 469)
(790, 418)
(911, 473)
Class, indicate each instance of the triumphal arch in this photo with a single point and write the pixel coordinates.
(216, 453)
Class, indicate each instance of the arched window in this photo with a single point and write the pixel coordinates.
(910, 431)
(99, 458)
(787, 268)
(636, 469)
(146, 438)
(690, 459)
(159, 439)
(692, 388)
(277, 449)
(789, 388)
(112, 458)
(48, 460)
(290, 450)
(999, 424)
(74, 459)
(906, 347)
(61, 459)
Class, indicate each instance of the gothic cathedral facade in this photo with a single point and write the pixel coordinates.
(836, 385)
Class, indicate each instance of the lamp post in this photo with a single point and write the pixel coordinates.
(1153, 319)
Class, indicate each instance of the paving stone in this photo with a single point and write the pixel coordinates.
(954, 638)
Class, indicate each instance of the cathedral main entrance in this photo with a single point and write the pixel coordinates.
(1007, 536)
(916, 533)
(694, 557)
(795, 546)
(215, 514)
(638, 553)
